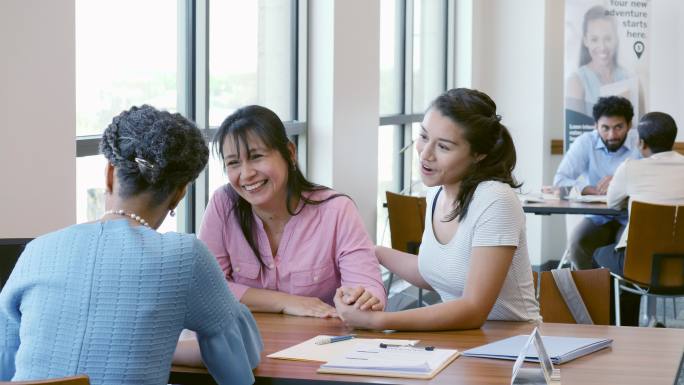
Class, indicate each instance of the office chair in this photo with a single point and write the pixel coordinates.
(406, 216)
(654, 257)
(10, 250)
(593, 286)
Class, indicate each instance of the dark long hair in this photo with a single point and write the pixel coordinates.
(264, 124)
(596, 13)
(475, 113)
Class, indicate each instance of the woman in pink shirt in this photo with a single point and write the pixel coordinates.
(284, 243)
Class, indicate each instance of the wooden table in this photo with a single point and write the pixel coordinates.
(638, 355)
(569, 207)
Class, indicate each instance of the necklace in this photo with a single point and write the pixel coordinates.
(133, 216)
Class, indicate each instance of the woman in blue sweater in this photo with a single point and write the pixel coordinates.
(109, 298)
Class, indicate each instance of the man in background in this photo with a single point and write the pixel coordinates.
(588, 166)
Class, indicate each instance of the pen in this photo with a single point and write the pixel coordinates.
(328, 340)
(385, 346)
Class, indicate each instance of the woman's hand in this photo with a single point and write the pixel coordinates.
(354, 317)
(308, 307)
(361, 298)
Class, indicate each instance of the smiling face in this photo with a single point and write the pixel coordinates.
(444, 153)
(601, 41)
(256, 172)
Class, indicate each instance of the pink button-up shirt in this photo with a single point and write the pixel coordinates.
(323, 247)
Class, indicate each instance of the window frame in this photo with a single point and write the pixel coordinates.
(193, 95)
(404, 120)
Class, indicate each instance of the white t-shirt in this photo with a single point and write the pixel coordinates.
(658, 179)
(495, 218)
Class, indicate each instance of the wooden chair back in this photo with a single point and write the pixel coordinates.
(655, 229)
(406, 221)
(74, 380)
(594, 287)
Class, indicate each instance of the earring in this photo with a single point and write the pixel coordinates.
(172, 213)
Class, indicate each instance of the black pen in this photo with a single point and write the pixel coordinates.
(385, 346)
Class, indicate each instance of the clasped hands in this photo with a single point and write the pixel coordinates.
(356, 298)
(352, 306)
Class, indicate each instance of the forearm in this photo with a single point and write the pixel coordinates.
(404, 265)
(452, 315)
(616, 200)
(617, 196)
(265, 301)
(361, 270)
(572, 166)
(566, 175)
(617, 204)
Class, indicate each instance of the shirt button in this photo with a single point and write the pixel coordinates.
(271, 266)
(315, 278)
(237, 269)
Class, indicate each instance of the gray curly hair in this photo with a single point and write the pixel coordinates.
(154, 151)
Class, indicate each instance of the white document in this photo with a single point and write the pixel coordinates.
(405, 359)
(591, 198)
(310, 351)
(531, 198)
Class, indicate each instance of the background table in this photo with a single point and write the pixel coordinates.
(549, 207)
(558, 206)
(638, 355)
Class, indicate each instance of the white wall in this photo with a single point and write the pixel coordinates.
(667, 60)
(37, 117)
(344, 78)
(553, 235)
(509, 62)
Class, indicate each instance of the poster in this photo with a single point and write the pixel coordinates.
(606, 53)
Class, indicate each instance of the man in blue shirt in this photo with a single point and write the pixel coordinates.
(589, 165)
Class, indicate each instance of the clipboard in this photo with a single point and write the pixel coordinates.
(310, 351)
(403, 362)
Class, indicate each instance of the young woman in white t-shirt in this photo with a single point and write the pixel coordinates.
(474, 251)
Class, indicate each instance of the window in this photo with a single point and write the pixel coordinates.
(203, 58)
(120, 62)
(252, 60)
(252, 57)
(414, 52)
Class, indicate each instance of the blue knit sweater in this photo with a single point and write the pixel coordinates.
(109, 300)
